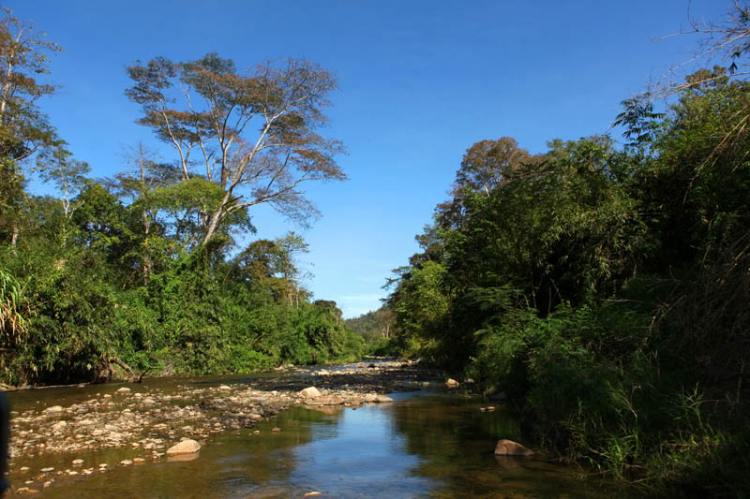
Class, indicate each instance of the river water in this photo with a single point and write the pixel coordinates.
(424, 444)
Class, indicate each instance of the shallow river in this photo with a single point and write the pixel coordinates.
(423, 444)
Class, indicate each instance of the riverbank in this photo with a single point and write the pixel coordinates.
(140, 422)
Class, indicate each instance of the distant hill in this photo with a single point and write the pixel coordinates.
(373, 325)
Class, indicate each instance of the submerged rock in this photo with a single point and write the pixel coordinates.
(511, 448)
(326, 400)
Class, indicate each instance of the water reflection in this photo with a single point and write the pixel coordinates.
(366, 457)
(421, 445)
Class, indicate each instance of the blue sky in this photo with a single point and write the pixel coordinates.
(420, 81)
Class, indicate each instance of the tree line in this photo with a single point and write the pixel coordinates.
(604, 287)
(149, 268)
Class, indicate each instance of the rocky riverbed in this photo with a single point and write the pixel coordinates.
(143, 423)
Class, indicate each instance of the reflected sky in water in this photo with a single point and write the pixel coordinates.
(422, 445)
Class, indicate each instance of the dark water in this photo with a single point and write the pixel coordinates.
(422, 445)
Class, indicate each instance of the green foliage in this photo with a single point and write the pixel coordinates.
(376, 328)
(605, 291)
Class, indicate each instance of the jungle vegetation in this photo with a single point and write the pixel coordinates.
(604, 286)
(150, 269)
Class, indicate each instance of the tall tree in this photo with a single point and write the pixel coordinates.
(58, 166)
(220, 107)
(23, 128)
(23, 58)
(137, 187)
(485, 163)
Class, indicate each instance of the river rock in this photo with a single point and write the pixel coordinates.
(187, 446)
(511, 448)
(59, 425)
(310, 392)
(451, 383)
(382, 399)
(326, 400)
(77, 462)
(53, 409)
(225, 388)
(124, 390)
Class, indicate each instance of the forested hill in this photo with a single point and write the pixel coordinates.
(373, 326)
(149, 270)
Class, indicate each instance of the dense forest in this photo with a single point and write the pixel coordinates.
(146, 270)
(604, 287)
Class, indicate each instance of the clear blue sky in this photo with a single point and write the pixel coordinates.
(420, 82)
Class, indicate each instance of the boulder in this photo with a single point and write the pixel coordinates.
(53, 409)
(382, 399)
(310, 392)
(187, 446)
(451, 383)
(511, 448)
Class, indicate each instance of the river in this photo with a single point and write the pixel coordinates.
(426, 443)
